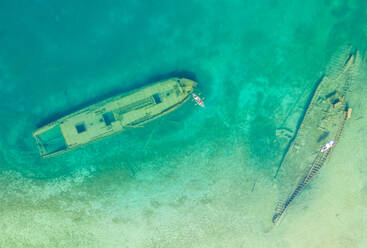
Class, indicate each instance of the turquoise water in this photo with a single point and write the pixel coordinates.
(196, 177)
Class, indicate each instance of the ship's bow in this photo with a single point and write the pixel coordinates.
(187, 85)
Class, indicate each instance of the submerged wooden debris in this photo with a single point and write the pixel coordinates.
(323, 120)
(319, 161)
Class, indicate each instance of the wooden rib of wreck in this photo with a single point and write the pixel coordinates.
(113, 115)
(323, 120)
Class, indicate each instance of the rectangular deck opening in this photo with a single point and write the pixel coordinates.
(80, 127)
(157, 99)
(108, 118)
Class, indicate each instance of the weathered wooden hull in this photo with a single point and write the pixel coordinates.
(323, 121)
(112, 116)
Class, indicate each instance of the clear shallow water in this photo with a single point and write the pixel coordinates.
(204, 178)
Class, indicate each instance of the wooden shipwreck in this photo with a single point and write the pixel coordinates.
(323, 120)
(113, 115)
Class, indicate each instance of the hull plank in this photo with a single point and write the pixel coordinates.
(113, 115)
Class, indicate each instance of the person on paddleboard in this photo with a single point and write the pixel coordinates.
(327, 146)
(198, 100)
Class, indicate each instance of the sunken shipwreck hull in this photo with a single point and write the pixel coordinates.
(113, 115)
(323, 120)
